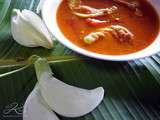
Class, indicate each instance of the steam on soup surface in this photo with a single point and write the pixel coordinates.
(113, 27)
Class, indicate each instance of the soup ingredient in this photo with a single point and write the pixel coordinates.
(35, 108)
(100, 23)
(134, 5)
(85, 9)
(78, 9)
(95, 22)
(74, 4)
(92, 37)
(65, 99)
(93, 12)
(29, 30)
(120, 33)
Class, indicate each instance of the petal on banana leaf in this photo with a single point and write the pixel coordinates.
(8, 47)
(132, 89)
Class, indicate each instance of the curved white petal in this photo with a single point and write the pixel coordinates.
(36, 109)
(65, 99)
(29, 30)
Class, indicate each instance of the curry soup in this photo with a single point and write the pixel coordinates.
(144, 26)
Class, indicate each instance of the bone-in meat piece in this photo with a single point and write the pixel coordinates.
(118, 32)
(121, 33)
(134, 5)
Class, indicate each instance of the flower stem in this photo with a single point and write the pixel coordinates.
(31, 60)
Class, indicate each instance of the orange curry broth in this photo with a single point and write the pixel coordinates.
(145, 29)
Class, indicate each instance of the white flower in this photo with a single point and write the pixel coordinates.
(64, 99)
(29, 30)
(35, 108)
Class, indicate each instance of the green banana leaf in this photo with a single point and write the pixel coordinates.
(132, 89)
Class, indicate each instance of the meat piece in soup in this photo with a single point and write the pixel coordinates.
(111, 27)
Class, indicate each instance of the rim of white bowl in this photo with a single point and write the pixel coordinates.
(49, 13)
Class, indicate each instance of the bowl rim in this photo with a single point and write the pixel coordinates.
(63, 40)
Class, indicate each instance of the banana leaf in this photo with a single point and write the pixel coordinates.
(132, 89)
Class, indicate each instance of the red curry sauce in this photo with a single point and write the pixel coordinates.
(145, 28)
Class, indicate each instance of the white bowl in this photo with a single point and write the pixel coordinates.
(49, 12)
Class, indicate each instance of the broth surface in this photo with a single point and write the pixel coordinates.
(145, 28)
